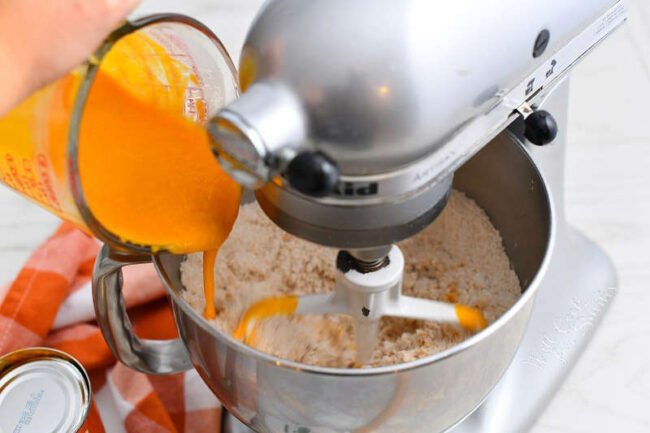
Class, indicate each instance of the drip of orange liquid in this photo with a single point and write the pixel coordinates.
(209, 258)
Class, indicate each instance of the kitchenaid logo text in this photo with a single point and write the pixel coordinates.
(350, 189)
(568, 330)
(426, 174)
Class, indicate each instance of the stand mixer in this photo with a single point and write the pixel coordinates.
(368, 113)
(353, 120)
(367, 142)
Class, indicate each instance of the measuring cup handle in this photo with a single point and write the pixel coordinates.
(147, 356)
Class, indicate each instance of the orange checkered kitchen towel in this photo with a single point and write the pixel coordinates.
(50, 304)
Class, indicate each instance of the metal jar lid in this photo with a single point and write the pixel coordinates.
(42, 391)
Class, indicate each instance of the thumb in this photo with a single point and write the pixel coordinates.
(41, 40)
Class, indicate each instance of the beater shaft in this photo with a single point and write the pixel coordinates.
(366, 333)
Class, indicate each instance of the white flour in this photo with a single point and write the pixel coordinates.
(458, 258)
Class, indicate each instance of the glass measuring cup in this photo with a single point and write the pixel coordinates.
(168, 61)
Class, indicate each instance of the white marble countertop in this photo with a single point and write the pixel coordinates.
(608, 194)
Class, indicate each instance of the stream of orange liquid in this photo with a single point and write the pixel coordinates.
(209, 259)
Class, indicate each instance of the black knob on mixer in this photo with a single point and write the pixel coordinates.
(313, 173)
(541, 128)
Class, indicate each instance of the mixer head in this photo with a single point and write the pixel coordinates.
(332, 134)
(355, 116)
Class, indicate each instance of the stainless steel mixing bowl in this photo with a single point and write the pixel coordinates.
(428, 395)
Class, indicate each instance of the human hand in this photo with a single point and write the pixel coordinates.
(42, 40)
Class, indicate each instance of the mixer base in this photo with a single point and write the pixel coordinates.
(579, 286)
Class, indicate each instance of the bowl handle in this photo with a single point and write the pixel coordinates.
(147, 356)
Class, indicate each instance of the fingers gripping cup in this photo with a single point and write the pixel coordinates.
(120, 142)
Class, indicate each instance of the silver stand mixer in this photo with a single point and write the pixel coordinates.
(354, 119)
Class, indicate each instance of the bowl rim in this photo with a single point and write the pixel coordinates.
(475, 339)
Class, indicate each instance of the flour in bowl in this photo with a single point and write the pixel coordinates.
(459, 258)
